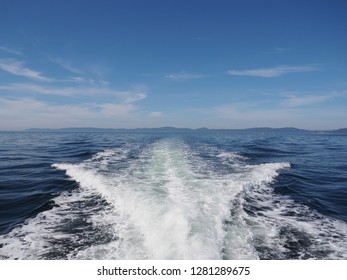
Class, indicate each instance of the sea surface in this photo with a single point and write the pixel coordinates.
(173, 196)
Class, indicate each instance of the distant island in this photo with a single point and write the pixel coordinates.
(291, 130)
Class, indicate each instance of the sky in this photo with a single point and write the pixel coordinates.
(183, 63)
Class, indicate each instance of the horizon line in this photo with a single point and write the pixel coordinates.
(174, 128)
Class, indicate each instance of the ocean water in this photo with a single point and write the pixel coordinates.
(173, 196)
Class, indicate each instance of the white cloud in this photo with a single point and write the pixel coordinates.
(98, 70)
(116, 110)
(11, 51)
(242, 115)
(35, 88)
(125, 96)
(280, 50)
(271, 72)
(290, 110)
(17, 68)
(21, 113)
(24, 113)
(155, 114)
(87, 81)
(130, 97)
(305, 100)
(296, 100)
(66, 65)
(184, 76)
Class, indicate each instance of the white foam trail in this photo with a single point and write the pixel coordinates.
(162, 208)
(167, 210)
(280, 228)
(49, 233)
(230, 156)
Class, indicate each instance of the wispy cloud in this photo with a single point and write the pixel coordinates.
(130, 97)
(83, 81)
(91, 75)
(184, 76)
(36, 88)
(17, 68)
(155, 114)
(116, 110)
(296, 100)
(280, 50)
(24, 113)
(255, 114)
(11, 51)
(272, 72)
(65, 64)
(93, 91)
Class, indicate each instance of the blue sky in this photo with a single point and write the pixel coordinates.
(216, 64)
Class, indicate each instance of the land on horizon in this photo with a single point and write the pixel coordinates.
(184, 130)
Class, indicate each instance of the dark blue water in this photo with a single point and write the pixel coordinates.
(169, 196)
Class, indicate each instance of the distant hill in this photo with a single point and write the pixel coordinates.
(71, 129)
(93, 129)
(168, 129)
(339, 131)
(283, 130)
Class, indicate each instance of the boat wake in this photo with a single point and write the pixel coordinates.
(173, 201)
